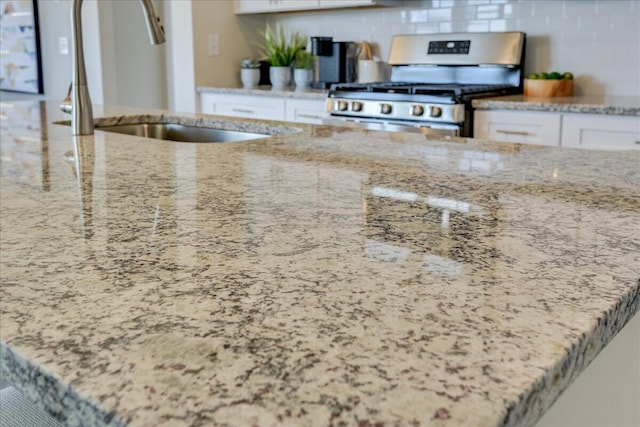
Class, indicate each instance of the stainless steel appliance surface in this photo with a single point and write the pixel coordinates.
(433, 80)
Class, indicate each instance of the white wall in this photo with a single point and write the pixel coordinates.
(133, 70)
(597, 40)
(238, 35)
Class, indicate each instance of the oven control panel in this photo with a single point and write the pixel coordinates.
(398, 110)
(449, 47)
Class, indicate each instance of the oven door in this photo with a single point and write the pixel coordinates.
(427, 128)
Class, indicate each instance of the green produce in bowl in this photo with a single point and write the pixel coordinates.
(534, 76)
(567, 76)
(555, 76)
(544, 76)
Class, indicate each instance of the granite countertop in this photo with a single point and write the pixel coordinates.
(612, 105)
(323, 276)
(287, 92)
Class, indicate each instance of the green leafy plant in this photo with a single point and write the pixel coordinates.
(304, 60)
(249, 63)
(279, 51)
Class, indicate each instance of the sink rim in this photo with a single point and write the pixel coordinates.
(182, 133)
(269, 129)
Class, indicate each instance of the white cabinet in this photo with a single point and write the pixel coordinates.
(334, 4)
(264, 107)
(516, 126)
(305, 111)
(273, 6)
(254, 107)
(600, 132)
(590, 131)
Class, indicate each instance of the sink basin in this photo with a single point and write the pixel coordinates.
(181, 133)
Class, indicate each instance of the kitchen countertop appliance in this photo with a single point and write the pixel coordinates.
(334, 62)
(434, 77)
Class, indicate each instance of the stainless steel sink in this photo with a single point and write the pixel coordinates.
(181, 133)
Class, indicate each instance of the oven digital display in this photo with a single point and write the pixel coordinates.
(449, 47)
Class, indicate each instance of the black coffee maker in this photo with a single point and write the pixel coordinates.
(334, 62)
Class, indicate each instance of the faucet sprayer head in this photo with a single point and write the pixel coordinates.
(154, 27)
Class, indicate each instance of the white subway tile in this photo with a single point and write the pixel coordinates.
(428, 28)
(478, 26)
(497, 25)
(440, 14)
(419, 16)
(489, 12)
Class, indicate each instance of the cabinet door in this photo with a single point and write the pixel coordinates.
(255, 6)
(517, 126)
(255, 107)
(599, 132)
(286, 5)
(330, 4)
(268, 6)
(306, 111)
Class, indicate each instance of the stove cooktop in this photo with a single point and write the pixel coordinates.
(449, 92)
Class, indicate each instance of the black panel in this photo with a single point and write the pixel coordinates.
(460, 47)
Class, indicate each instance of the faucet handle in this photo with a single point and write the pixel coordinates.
(65, 104)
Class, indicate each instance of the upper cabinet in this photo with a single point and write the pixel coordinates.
(273, 6)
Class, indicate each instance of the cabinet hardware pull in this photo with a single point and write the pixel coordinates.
(309, 116)
(241, 110)
(638, 142)
(513, 132)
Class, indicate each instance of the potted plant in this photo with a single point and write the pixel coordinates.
(249, 72)
(281, 53)
(303, 72)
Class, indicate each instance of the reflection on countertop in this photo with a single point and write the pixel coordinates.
(330, 275)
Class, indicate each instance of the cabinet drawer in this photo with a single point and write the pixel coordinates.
(306, 111)
(597, 132)
(520, 127)
(243, 106)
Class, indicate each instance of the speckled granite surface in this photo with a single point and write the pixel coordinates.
(288, 92)
(612, 105)
(326, 277)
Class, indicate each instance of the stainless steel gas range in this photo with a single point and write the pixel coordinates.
(433, 80)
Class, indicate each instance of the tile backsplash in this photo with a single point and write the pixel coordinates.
(597, 40)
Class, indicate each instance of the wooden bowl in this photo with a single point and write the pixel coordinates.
(548, 88)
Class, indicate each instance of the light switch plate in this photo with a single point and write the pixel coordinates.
(63, 45)
(214, 44)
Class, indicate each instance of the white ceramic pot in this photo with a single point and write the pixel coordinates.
(250, 76)
(280, 76)
(302, 78)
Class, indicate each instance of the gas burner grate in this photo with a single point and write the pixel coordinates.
(456, 89)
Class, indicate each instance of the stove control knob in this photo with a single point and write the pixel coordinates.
(417, 110)
(356, 106)
(385, 108)
(435, 112)
(341, 105)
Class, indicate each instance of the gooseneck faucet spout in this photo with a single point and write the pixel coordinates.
(78, 101)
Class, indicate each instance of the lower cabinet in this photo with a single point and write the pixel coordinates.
(246, 106)
(522, 127)
(590, 131)
(305, 111)
(264, 107)
(598, 132)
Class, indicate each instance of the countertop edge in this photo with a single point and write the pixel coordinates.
(548, 105)
(268, 91)
(539, 398)
(49, 393)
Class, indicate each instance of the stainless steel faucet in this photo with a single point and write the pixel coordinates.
(78, 101)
